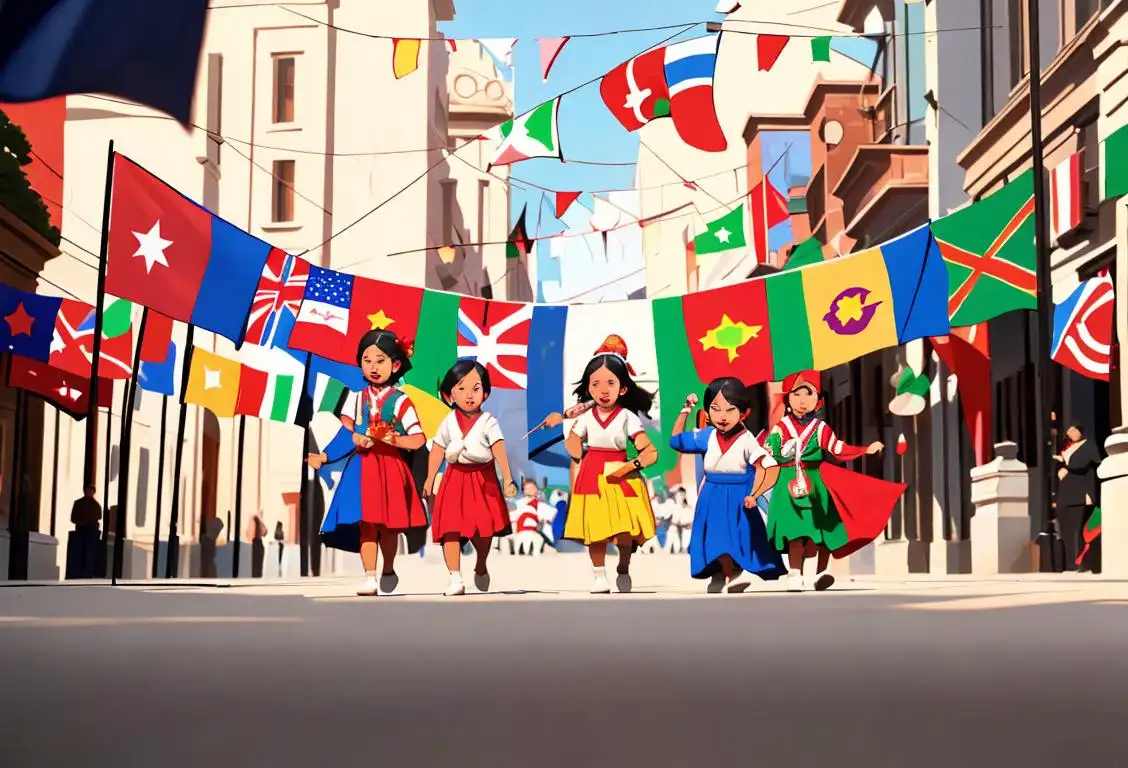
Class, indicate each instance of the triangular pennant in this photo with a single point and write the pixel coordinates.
(564, 200)
(501, 48)
(550, 48)
(519, 243)
(768, 50)
(405, 56)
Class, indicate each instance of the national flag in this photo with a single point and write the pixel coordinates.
(564, 201)
(169, 254)
(989, 250)
(346, 373)
(1114, 164)
(550, 48)
(282, 285)
(1066, 211)
(768, 50)
(966, 352)
(545, 394)
(844, 308)
(65, 391)
(519, 244)
(805, 254)
(1083, 325)
(405, 56)
(72, 346)
(338, 309)
(28, 323)
(820, 48)
(722, 234)
(213, 382)
(146, 52)
(1090, 534)
(268, 396)
(157, 337)
(328, 394)
(767, 207)
(535, 133)
(674, 81)
(162, 378)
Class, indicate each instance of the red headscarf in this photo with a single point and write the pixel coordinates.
(811, 379)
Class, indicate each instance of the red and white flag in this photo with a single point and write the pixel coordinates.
(1083, 325)
(1065, 196)
(767, 207)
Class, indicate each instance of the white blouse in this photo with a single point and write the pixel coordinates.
(614, 434)
(405, 414)
(473, 447)
(742, 453)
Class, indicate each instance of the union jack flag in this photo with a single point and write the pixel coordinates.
(72, 346)
(281, 287)
(496, 334)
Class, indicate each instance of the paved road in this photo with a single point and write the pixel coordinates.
(224, 677)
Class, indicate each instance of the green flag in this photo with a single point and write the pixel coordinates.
(722, 234)
(1114, 164)
(117, 318)
(988, 248)
(807, 252)
(533, 134)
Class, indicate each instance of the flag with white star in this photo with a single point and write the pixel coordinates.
(722, 234)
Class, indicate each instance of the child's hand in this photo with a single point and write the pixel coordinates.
(690, 400)
(316, 460)
(362, 441)
(510, 489)
(874, 448)
(553, 420)
(429, 487)
(390, 438)
(749, 502)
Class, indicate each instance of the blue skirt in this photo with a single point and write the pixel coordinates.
(722, 526)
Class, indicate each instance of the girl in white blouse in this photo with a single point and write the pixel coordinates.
(469, 505)
(609, 500)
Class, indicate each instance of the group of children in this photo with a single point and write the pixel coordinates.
(820, 510)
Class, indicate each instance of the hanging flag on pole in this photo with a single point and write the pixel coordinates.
(722, 234)
(26, 323)
(1083, 329)
(533, 134)
(768, 207)
(1066, 206)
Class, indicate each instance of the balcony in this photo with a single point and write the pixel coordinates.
(884, 191)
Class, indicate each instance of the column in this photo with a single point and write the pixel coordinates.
(1113, 474)
(1000, 529)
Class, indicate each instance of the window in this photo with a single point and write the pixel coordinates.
(282, 199)
(141, 505)
(215, 106)
(1083, 10)
(483, 204)
(284, 71)
(449, 190)
(1016, 29)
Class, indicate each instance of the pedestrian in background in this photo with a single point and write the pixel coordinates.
(86, 516)
(1077, 492)
(256, 532)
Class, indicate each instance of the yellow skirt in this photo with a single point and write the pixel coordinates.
(598, 517)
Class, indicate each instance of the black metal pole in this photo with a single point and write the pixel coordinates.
(160, 487)
(126, 452)
(18, 429)
(172, 559)
(104, 550)
(89, 469)
(55, 476)
(305, 415)
(233, 535)
(1042, 255)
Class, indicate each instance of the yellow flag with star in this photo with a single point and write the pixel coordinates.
(849, 305)
(213, 382)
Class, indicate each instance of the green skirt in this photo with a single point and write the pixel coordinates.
(811, 517)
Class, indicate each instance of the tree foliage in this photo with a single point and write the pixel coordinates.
(16, 193)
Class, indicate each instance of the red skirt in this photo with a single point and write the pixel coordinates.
(387, 490)
(592, 467)
(469, 504)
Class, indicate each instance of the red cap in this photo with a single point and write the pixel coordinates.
(796, 380)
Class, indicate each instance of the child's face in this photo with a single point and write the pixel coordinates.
(723, 415)
(468, 394)
(605, 388)
(532, 490)
(803, 400)
(377, 366)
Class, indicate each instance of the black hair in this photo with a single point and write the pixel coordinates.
(637, 399)
(386, 342)
(460, 371)
(733, 390)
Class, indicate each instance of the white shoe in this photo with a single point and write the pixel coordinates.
(388, 583)
(823, 581)
(741, 583)
(455, 588)
(716, 584)
(482, 581)
(369, 588)
(793, 581)
(601, 585)
(623, 583)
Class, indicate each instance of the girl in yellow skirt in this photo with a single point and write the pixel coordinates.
(609, 500)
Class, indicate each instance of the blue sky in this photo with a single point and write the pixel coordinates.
(587, 129)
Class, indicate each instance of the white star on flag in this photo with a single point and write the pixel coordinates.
(723, 235)
(151, 247)
(57, 343)
(211, 379)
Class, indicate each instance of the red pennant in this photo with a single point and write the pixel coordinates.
(768, 49)
(564, 201)
(158, 336)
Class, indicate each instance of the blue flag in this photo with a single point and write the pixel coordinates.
(27, 323)
(142, 50)
(160, 378)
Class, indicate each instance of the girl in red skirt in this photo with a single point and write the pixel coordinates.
(469, 505)
(376, 499)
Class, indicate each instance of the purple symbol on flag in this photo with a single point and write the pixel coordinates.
(849, 313)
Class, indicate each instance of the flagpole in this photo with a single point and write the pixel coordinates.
(160, 487)
(234, 535)
(126, 451)
(1045, 314)
(305, 495)
(18, 428)
(172, 559)
(89, 468)
(103, 566)
(55, 477)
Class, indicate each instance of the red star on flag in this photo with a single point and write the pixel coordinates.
(20, 321)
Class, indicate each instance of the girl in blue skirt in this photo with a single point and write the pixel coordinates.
(730, 544)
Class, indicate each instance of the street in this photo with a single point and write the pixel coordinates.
(941, 673)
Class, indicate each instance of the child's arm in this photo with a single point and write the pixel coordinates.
(679, 422)
(434, 462)
(508, 487)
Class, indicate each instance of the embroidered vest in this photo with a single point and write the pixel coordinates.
(387, 411)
